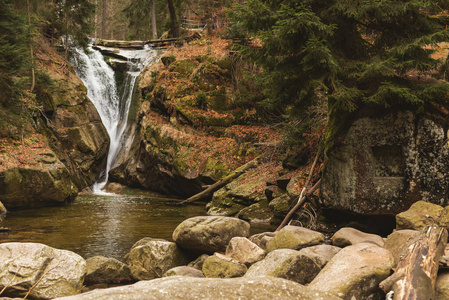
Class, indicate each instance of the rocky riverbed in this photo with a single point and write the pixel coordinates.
(215, 257)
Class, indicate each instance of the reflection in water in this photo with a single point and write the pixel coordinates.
(98, 225)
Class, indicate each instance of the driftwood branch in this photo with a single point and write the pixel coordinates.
(416, 273)
(219, 184)
(302, 197)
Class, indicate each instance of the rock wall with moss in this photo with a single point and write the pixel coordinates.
(52, 142)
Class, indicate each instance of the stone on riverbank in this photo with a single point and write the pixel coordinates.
(102, 269)
(220, 266)
(2, 208)
(355, 272)
(262, 239)
(151, 258)
(209, 233)
(442, 286)
(244, 251)
(198, 263)
(22, 264)
(397, 242)
(350, 236)
(263, 288)
(184, 271)
(294, 237)
(419, 215)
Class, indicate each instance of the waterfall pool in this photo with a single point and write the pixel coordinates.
(101, 224)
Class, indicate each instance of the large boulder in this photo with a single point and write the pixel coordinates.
(102, 269)
(386, 161)
(56, 273)
(350, 236)
(27, 187)
(209, 233)
(244, 251)
(220, 266)
(151, 258)
(208, 288)
(294, 237)
(262, 239)
(355, 272)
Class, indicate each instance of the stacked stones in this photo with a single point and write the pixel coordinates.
(214, 257)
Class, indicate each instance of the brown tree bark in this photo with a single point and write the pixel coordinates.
(103, 21)
(174, 20)
(153, 20)
(415, 275)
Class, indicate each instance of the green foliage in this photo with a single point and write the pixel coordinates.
(14, 52)
(353, 53)
(201, 100)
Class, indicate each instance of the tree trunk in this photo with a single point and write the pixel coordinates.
(174, 20)
(219, 184)
(153, 20)
(415, 275)
(33, 77)
(103, 21)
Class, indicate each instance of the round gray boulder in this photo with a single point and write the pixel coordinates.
(209, 234)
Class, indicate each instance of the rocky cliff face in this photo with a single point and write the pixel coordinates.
(51, 147)
(385, 163)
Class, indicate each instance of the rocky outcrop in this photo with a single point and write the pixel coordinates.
(151, 258)
(27, 187)
(74, 126)
(209, 234)
(398, 241)
(208, 288)
(102, 269)
(355, 272)
(56, 273)
(385, 162)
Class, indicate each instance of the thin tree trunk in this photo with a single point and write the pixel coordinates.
(174, 20)
(153, 20)
(103, 21)
(416, 273)
(33, 78)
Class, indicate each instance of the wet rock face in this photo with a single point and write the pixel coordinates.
(78, 136)
(385, 164)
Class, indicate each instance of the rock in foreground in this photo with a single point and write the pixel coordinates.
(209, 234)
(22, 264)
(355, 272)
(208, 288)
(102, 269)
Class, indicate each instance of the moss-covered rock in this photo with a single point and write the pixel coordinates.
(220, 266)
(419, 215)
(294, 237)
(256, 213)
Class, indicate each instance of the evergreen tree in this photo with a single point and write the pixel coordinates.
(351, 53)
(14, 52)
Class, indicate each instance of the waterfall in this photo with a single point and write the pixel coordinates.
(111, 102)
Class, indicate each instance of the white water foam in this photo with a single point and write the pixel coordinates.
(99, 78)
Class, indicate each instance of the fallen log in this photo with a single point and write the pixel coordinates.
(221, 183)
(415, 275)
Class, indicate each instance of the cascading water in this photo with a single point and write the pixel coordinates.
(112, 105)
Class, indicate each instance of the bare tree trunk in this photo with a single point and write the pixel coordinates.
(174, 20)
(415, 275)
(153, 20)
(103, 21)
(33, 77)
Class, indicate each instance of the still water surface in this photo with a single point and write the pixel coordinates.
(98, 224)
